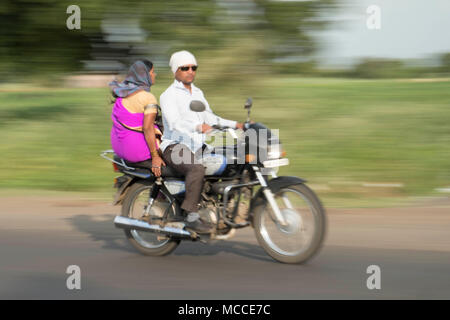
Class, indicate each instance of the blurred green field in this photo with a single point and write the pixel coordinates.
(357, 141)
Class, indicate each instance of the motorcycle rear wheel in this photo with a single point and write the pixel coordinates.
(304, 235)
(133, 207)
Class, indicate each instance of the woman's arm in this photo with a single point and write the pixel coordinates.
(150, 137)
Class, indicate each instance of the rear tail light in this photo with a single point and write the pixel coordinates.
(115, 167)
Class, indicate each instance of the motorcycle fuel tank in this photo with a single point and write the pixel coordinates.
(214, 164)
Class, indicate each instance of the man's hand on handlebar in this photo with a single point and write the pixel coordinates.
(204, 128)
(240, 125)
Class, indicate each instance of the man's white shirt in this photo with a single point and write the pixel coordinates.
(181, 124)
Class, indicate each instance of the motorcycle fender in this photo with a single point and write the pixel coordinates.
(280, 182)
(274, 185)
(122, 191)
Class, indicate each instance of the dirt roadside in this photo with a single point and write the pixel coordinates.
(423, 226)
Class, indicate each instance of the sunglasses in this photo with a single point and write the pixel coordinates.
(194, 68)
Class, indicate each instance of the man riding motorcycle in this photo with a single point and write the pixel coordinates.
(225, 187)
(184, 133)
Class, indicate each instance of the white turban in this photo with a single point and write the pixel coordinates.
(181, 58)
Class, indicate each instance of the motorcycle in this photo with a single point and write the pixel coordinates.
(241, 189)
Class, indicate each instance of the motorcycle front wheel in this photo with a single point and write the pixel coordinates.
(304, 233)
(134, 206)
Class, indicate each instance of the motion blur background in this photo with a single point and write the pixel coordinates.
(363, 113)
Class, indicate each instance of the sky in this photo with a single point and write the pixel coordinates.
(409, 29)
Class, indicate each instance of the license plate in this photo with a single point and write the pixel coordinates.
(276, 163)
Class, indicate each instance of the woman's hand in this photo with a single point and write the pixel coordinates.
(157, 162)
(149, 133)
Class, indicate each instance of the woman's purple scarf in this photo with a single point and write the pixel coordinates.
(138, 78)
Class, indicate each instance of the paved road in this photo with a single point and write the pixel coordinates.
(41, 236)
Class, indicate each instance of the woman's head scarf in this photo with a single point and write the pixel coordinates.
(137, 79)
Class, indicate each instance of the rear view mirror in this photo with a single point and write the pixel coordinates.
(248, 103)
(197, 106)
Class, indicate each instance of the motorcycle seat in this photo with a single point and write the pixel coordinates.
(144, 167)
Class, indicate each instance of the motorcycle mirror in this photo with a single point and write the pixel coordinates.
(248, 103)
(197, 106)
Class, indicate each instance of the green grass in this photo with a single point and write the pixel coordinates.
(338, 134)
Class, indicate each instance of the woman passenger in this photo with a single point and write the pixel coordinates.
(133, 133)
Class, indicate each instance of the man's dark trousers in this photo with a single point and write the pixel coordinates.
(179, 157)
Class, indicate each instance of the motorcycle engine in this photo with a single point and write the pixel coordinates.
(208, 214)
(243, 206)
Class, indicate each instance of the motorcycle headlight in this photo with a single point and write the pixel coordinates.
(275, 152)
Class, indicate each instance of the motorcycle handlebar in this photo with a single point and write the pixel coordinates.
(219, 127)
(224, 128)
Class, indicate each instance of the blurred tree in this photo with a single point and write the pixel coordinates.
(35, 40)
(379, 68)
(290, 24)
(445, 62)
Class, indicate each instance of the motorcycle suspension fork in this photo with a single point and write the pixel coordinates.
(286, 201)
(276, 213)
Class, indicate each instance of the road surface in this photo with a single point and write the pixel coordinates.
(41, 236)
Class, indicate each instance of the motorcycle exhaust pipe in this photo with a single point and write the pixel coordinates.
(127, 223)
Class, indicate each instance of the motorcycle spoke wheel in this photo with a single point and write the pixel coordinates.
(134, 205)
(145, 239)
(302, 236)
